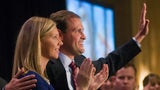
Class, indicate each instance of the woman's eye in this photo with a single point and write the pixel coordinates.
(56, 37)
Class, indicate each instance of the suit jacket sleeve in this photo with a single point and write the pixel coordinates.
(2, 83)
(116, 59)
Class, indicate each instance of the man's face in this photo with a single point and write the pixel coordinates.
(125, 79)
(73, 38)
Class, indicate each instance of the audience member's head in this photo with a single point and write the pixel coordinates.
(151, 82)
(108, 84)
(125, 78)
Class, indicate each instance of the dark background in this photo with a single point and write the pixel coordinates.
(13, 14)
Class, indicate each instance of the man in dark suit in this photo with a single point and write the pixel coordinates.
(72, 34)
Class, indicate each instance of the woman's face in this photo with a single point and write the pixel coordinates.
(50, 44)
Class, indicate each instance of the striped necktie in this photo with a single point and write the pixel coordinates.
(73, 67)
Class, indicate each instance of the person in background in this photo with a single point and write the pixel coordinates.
(151, 82)
(125, 78)
(72, 35)
(108, 84)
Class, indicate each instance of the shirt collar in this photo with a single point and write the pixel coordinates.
(64, 59)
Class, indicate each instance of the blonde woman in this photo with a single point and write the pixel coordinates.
(37, 42)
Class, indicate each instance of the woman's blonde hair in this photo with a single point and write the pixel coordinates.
(28, 45)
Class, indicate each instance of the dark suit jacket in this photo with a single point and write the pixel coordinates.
(2, 83)
(115, 61)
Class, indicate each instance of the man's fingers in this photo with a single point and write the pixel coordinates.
(19, 73)
(29, 82)
(93, 72)
(76, 71)
(28, 77)
(28, 87)
(89, 66)
(143, 14)
(83, 63)
(146, 24)
(106, 71)
(145, 28)
(86, 65)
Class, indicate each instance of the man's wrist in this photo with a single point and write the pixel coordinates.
(136, 41)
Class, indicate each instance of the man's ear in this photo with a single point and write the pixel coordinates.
(60, 34)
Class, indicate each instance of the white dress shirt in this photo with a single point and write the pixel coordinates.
(66, 61)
